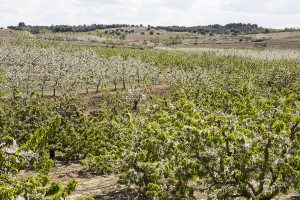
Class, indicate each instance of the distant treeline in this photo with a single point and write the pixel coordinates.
(64, 28)
(232, 28)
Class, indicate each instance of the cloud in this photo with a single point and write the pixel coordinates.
(271, 7)
(269, 13)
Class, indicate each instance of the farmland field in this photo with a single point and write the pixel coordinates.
(93, 116)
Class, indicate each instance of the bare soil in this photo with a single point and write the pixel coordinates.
(106, 187)
(8, 33)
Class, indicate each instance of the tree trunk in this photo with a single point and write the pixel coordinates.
(52, 153)
(42, 91)
(97, 88)
(124, 84)
(115, 83)
(135, 104)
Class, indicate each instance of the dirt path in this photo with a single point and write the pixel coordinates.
(89, 184)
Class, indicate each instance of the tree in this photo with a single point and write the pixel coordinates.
(21, 24)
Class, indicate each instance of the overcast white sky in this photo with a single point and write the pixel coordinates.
(267, 13)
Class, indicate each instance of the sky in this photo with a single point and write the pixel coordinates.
(266, 13)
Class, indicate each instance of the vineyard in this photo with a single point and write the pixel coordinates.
(224, 125)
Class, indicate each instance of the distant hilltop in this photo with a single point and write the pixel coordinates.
(232, 28)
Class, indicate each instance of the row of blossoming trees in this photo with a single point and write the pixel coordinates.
(49, 69)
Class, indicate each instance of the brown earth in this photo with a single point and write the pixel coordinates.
(286, 40)
(106, 187)
(8, 33)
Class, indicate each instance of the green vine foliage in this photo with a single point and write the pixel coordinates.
(229, 127)
(244, 148)
(27, 131)
(224, 136)
(14, 159)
